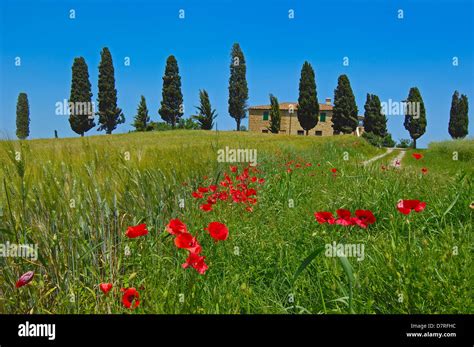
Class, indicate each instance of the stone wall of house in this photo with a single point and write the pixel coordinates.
(257, 124)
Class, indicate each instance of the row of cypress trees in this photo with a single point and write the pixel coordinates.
(345, 111)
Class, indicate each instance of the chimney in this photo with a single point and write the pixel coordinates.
(328, 101)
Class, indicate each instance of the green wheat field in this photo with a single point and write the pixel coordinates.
(75, 199)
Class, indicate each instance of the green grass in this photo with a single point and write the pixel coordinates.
(76, 197)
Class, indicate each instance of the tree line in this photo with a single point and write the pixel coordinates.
(345, 112)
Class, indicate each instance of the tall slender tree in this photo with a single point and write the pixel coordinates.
(308, 106)
(172, 108)
(374, 120)
(22, 117)
(81, 112)
(464, 115)
(344, 114)
(275, 116)
(415, 116)
(238, 89)
(141, 119)
(206, 114)
(109, 114)
(458, 116)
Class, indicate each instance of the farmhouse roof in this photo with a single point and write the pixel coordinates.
(285, 106)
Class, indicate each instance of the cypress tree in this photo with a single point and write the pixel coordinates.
(415, 121)
(109, 114)
(81, 117)
(374, 120)
(206, 114)
(238, 89)
(458, 116)
(141, 118)
(344, 115)
(172, 99)
(463, 115)
(275, 116)
(22, 117)
(308, 106)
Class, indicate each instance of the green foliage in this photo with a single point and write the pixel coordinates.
(159, 126)
(22, 117)
(405, 143)
(238, 89)
(83, 246)
(458, 116)
(275, 116)
(109, 114)
(344, 117)
(188, 123)
(379, 141)
(141, 119)
(81, 117)
(374, 120)
(415, 123)
(308, 106)
(171, 109)
(206, 114)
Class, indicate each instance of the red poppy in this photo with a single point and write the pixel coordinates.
(424, 170)
(197, 195)
(233, 169)
(324, 217)
(364, 218)
(213, 188)
(130, 298)
(24, 279)
(206, 207)
(218, 231)
(333, 170)
(136, 231)
(189, 242)
(203, 189)
(254, 179)
(261, 180)
(406, 206)
(344, 217)
(105, 287)
(309, 164)
(197, 262)
(417, 156)
(176, 227)
(289, 170)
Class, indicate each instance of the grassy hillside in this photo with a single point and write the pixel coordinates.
(75, 198)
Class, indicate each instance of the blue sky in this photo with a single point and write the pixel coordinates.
(386, 55)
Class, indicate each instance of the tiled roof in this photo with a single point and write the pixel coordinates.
(285, 106)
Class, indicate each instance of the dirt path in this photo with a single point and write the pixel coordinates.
(389, 150)
(397, 162)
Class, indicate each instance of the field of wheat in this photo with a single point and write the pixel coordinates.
(109, 215)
